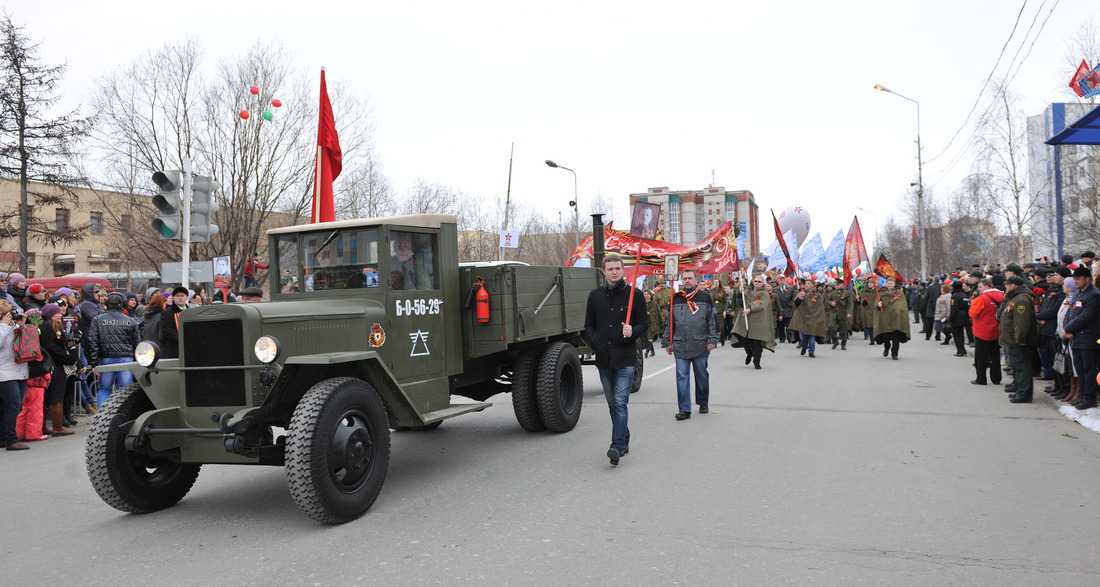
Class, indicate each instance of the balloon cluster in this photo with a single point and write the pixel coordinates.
(266, 114)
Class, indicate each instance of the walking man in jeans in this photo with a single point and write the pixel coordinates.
(613, 338)
(691, 333)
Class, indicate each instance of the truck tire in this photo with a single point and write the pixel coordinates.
(130, 481)
(639, 366)
(337, 450)
(560, 387)
(524, 390)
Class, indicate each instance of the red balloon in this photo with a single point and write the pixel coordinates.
(254, 90)
(276, 103)
(858, 272)
(244, 114)
(790, 281)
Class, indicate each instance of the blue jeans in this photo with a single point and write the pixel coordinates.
(806, 339)
(11, 403)
(702, 382)
(110, 379)
(616, 389)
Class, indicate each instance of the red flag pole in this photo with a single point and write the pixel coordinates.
(633, 285)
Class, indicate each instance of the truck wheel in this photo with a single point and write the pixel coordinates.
(560, 387)
(131, 481)
(337, 450)
(639, 366)
(524, 390)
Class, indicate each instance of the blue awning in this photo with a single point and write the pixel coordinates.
(1085, 131)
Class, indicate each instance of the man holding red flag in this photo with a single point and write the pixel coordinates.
(328, 164)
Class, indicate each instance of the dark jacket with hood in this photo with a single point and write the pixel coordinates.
(111, 335)
(89, 308)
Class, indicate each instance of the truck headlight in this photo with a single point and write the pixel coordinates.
(267, 349)
(146, 353)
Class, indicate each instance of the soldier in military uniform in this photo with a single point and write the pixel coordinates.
(1020, 334)
(754, 326)
(656, 320)
(838, 304)
(718, 295)
(809, 316)
(891, 318)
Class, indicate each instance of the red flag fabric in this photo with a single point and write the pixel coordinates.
(791, 269)
(885, 269)
(717, 253)
(915, 233)
(854, 250)
(328, 164)
(1075, 81)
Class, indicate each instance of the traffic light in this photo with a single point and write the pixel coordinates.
(169, 225)
(203, 207)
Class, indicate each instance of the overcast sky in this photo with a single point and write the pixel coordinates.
(776, 97)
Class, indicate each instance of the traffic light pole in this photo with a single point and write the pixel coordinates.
(185, 207)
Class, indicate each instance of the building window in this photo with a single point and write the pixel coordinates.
(674, 221)
(124, 222)
(62, 217)
(95, 224)
(731, 213)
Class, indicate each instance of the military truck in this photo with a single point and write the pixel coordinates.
(373, 326)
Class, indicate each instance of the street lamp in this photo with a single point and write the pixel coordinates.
(573, 203)
(920, 184)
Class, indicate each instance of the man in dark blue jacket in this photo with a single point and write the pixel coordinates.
(613, 338)
(1082, 326)
(1048, 325)
(112, 337)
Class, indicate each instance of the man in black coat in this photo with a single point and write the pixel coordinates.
(1048, 325)
(170, 323)
(959, 317)
(613, 336)
(112, 337)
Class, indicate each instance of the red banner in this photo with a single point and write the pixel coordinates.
(715, 254)
(885, 269)
(328, 162)
(854, 250)
(791, 269)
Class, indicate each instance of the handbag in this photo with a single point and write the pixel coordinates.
(27, 345)
(40, 368)
(1062, 359)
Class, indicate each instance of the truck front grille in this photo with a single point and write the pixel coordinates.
(210, 344)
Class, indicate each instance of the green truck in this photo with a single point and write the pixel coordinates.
(373, 326)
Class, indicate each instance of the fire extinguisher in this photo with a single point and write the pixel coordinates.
(482, 301)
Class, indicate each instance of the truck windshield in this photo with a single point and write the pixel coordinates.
(346, 259)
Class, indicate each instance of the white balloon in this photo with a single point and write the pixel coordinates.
(797, 219)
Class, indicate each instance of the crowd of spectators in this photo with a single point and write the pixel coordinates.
(1039, 321)
(78, 331)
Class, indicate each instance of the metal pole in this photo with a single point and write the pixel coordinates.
(576, 214)
(920, 202)
(185, 264)
(508, 196)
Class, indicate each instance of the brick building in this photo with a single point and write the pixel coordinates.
(688, 216)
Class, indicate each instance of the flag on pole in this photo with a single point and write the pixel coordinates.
(834, 253)
(885, 269)
(1090, 84)
(1075, 81)
(812, 255)
(327, 167)
(854, 250)
(915, 231)
(791, 269)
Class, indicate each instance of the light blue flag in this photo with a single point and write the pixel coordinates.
(812, 255)
(775, 257)
(834, 255)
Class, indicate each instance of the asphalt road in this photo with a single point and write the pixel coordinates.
(844, 469)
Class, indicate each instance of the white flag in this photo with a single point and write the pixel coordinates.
(509, 239)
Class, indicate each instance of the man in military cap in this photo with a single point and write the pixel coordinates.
(1020, 333)
(838, 305)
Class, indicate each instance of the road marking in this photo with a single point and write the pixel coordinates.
(644, 377)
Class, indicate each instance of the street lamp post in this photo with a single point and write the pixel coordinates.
(576, 214)
(920, 185)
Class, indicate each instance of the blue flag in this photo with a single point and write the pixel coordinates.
(834, 255)
(812, 255)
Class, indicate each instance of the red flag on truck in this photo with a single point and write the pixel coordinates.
(328, 165)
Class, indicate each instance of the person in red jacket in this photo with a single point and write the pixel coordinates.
(250, 268)
(987, 332)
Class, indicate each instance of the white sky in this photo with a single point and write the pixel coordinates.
(777, 97)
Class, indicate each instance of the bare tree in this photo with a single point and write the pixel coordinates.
(1082, 43)
(160, 109)
(1001, 162)
(33, 145)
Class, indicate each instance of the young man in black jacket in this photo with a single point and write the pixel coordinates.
(613, 337)
(112, 337)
